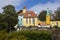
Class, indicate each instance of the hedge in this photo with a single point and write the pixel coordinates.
(26, 35)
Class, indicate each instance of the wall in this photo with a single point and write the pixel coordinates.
(47, 19)
(28, 24)
(53, 23)
(20, 18)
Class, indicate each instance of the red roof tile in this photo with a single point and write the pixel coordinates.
(31, 13)
(27, 13)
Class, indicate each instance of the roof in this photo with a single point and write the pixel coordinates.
(29, 14)
(19, 12)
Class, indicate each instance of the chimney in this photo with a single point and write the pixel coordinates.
(24, 9)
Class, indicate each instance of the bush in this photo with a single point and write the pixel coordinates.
(55, 27)
(27, 35)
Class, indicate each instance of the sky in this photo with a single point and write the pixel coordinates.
(33, 5)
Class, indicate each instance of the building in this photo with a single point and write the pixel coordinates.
(29, 18)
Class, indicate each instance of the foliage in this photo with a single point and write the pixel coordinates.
(27, 35)
(42, 15)
(57, 13)
(8, 18)
(55, 27)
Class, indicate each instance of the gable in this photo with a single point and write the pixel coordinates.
(29, 14)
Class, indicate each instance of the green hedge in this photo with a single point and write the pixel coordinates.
(26, 35)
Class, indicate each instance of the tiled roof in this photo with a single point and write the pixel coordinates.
(29, 14)
(25, 15)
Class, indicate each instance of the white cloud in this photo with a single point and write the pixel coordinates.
(7, 2)
(52, 6)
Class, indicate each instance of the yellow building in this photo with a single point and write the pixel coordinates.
(47, 19)
(53, 23)
(31, 19)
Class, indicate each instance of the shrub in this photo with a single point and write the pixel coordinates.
(55, 27)
(27, 35)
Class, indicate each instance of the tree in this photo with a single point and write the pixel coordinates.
(9, 18)
(57, 12)
(42, 15)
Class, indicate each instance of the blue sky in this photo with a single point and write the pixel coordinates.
(34, 5)
(30, 3)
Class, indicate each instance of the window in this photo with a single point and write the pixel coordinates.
(33, 21)
(30, 20)
(29, 14)
(26, 20)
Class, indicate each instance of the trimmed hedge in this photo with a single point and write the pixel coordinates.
(26, 35)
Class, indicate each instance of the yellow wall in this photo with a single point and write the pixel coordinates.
(47, 19)
(25, 24)
(36, 21)
(58, 23)
(53, 23)
(39, 21)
